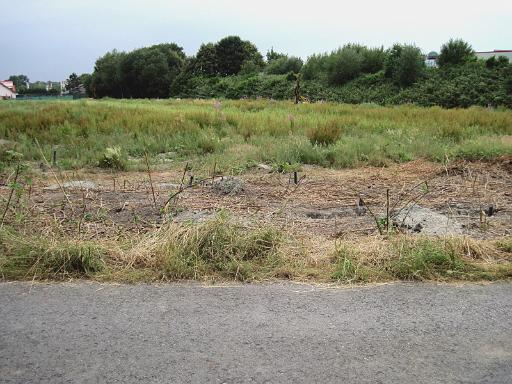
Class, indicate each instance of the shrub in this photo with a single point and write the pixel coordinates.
(455, 52)
(347, 269)
(284, 65)
(344, 65)
(324, 133)
(113, 158)
(404, 64)
(505, 244)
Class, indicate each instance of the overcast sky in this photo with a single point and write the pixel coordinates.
(49, 39)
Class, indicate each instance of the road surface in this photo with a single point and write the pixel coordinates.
(270, 333)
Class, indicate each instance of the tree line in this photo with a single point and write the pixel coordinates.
(354, 73)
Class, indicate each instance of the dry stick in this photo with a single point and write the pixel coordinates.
(150, 179)
(213, 173)
(55, 177)
(180, 189)
(183, 188)
(411, 190)
(387, 210)
(10, 194)
(413, 199)
(83, 214)
(373, 215)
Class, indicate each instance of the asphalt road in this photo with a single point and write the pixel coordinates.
(272, 333)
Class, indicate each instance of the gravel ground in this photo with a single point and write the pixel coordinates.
(272, 333)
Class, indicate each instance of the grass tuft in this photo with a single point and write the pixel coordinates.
(27, 257)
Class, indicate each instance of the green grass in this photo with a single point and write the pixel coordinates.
(505, 244)
(25, 257)
(219, 248)
(244, 132)
(417, 259)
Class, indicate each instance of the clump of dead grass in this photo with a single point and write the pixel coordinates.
(217, 248)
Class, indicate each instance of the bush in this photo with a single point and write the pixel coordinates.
(325, 133)
(284, 65)
(404, 64)
(344, 65)
(113, 158)
(455, 52)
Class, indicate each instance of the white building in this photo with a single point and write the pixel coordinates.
(431, 59)
(7, 90)
(496, 53)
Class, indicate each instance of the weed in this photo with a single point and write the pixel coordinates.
(113, 158)
(324, 133)
(505, 244)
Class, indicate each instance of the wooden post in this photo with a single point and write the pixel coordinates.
(295, 177)
(54, 160)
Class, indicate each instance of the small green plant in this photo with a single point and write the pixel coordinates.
(347, 269)
(505, 244)
(113, 158)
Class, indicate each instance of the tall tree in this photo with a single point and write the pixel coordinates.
(73, 82)
(232, 52)
(206, 62)
(149, 72)
(19, 81)
(106, 78)
(404, 64)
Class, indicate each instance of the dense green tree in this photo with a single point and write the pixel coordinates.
(283, 65)
(106, 78)
(149, 72)
(497, 62)
(344, 65)
(232, 52)
(86, 79)
(19, 81)
(206, 62)
(315, 67)
(411, 65)
(455, 52)
(73, 82)
(373, 59)
(273, 55)
(404, 64)
(507, 79)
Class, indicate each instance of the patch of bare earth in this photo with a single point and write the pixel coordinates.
(474, 197)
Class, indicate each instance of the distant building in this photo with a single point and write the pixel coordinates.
(7, 89)
(496, 53)
(431, 59)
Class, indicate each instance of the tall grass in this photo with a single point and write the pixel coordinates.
(239, 133)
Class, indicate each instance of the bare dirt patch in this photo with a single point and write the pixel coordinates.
(452, 200)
